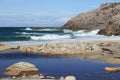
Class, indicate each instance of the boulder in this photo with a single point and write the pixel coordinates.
(70, 78)
(112, 69)
(21, 69)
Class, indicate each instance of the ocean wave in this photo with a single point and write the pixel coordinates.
(48, 30)
(67, 31)
(79, 32)
(15, 38)
(28, 28)
(50, 37)
(84, 33)
(32, 33)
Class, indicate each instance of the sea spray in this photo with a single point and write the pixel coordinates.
(23, 35)
(50, 37)
(28, 28)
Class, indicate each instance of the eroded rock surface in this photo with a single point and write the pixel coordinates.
(106, 18)
(62, 48)
(21, 69)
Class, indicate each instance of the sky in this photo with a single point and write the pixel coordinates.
(43, 13)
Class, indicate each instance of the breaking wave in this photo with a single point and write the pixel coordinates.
(67, 31)
(48, 30)
(50, 37)
(28, 28)
(84, 33)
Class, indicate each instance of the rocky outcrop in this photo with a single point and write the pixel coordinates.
(112, 27)
(70, 48)
(106, 16)
(21, 69)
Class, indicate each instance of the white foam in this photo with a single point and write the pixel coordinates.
(84, 33)
(50, 37)
(48, 30)
(24, 33)
(79, 32)
(31, 33)
(67, 31)
(28, 28)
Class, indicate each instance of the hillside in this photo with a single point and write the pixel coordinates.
(106, 18)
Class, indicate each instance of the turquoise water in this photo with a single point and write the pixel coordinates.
(60, 66)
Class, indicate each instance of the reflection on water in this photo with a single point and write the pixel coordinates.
(60, 66)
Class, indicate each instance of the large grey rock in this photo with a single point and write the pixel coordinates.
(112, 27)
(21, 69)
(106, 16)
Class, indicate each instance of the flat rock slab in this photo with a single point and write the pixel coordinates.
(21, 68)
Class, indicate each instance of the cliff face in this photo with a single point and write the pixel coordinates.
(112, 27)
(106, 16)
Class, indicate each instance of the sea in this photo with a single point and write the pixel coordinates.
(27, 35)
(56, 66)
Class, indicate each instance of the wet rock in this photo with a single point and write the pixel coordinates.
(21, 69)
(112, 69)
(106, 49)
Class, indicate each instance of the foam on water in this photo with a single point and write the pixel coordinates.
(84, 33)
(28, 28)
(67, 31)
(30, 33)
(50, 37)
(47, 30)
(29, 36)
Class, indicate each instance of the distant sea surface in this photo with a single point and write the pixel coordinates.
(26, 35)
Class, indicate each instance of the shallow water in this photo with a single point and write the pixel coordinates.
(60, 66)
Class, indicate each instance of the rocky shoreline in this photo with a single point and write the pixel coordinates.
(106, 18)
(104, 50)
(39, 77)
(28, 71)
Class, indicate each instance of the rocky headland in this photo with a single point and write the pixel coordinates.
(106, 18)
